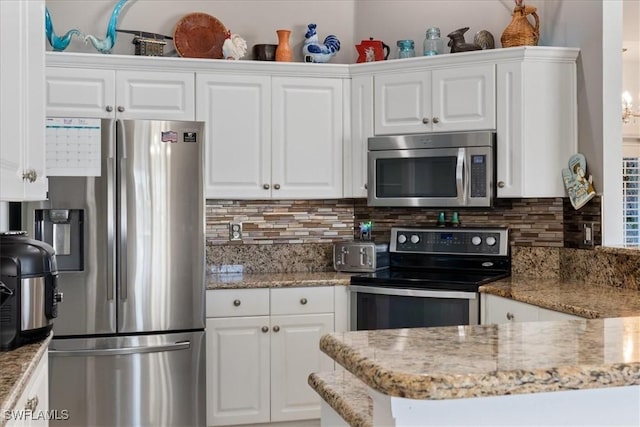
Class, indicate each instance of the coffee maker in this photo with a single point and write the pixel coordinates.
(29, 294)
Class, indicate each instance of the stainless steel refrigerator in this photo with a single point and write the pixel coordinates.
(129, 343)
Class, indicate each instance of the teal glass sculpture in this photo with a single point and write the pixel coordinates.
(57, 43)
(106, 44)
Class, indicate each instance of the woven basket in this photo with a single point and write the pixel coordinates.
(520, 32)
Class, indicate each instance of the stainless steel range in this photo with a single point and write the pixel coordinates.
(432, 280)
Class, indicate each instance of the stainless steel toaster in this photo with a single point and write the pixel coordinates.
(360, 256)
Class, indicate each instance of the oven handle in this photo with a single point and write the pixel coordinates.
(445, 294)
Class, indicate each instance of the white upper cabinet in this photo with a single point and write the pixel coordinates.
(306, 157)
(236, 110)
(361, 128)
(126, 94)
(537, 124)
(271, 137)
(22, 171)
(442, 100)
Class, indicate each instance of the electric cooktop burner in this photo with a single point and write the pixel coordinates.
(443, 259)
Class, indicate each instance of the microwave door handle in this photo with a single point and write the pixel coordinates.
(460, 176)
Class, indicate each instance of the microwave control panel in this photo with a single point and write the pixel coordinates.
(478, 179)
(476, 241)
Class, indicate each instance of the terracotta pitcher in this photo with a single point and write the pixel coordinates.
(283, 51)
(520, 32)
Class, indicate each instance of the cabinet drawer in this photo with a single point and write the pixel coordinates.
(237, 302)
(302, 300)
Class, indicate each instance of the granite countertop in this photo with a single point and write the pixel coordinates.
(581, 299)
(492, 360)
(348, 396)
(276, 280)
(17, 366)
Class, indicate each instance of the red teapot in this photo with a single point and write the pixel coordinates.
(372, 50)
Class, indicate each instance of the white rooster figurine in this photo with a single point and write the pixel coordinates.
(312, 51)
(234, 46)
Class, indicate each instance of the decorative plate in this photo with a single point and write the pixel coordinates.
(198, 35)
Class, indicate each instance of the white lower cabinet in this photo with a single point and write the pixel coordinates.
(34, 398)
(495, 309)
(262, 344)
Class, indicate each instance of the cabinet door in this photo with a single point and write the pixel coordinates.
(21, 100)
(237, 370)
(294, 355)
(78, 92)
(361, 130)
(155, 95)
(238, 150)
(307, 117)
(464, 99)
(402, 103)
(35, 398)
(545, 314)
(504, 310)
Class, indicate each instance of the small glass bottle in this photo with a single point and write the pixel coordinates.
(405, 49)
(433, 44)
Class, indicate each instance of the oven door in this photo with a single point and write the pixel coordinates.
(456, 176)
(388, 308)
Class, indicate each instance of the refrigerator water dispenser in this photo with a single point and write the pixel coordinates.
(63, 230)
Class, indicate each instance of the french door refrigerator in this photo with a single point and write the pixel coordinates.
(129, 343)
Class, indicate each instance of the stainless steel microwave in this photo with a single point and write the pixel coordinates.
(435, 170)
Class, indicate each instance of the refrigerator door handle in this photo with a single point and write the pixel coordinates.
(181, 345)
(111, 228)
(122, 208)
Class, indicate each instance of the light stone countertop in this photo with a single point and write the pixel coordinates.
(276, 280)
(492, 360)
(347, 395)
(581, 299)
(16, 368)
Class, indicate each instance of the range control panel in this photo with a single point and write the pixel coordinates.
(472, 241)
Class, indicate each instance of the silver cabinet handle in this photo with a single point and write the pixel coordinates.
(501, 184)
(32, 404)
(120, 109)
(30, 175)
(265, 329)
(436, 120)
(425, 120)
(108, 108)
(276, 186)
(276, 328)
(510, 316)
(303, 301)
(236, 302)
(266, 186)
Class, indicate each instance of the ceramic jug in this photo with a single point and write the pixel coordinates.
(520, 32)
(283, 51)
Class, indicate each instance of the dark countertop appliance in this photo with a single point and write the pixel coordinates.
(432, 280)
(28, 290)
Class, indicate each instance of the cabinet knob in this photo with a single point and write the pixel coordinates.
(510, 316)
(425, 120)
(120, 109)
(108, 108)
(31, 404)
(276, 328)
(30, 175)
(500, 184)
(436, 120)
(303, 301)
(265, 186)
(276, 186)
(265, 329)
(236, 302)
(366, 187)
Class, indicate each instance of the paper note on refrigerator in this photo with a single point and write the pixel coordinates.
(72, 147)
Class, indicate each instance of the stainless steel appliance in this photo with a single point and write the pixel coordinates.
(360, 256)
(28, 290)
(437, 170)
(432, 280)
(129, 345)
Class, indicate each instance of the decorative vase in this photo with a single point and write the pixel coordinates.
(520, 32)
(283, 51)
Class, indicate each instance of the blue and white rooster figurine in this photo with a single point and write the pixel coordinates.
(312, 51)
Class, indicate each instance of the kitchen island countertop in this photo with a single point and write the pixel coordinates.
(16, 368)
